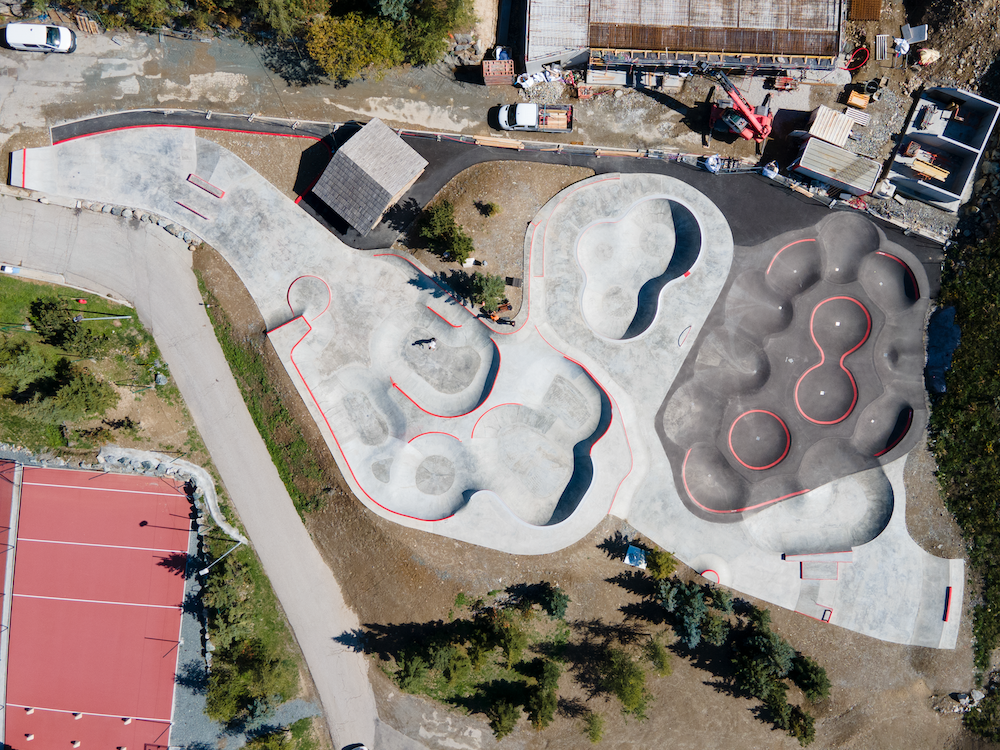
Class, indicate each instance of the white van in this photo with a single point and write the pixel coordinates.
(34, 37)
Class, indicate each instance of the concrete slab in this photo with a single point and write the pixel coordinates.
(734, 404)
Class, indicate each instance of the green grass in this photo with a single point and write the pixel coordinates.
(298, 468)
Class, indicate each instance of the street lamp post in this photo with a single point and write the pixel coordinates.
(204, 571)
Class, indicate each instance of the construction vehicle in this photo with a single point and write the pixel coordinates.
(741, 119)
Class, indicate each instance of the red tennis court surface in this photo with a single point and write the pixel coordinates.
(96, 608)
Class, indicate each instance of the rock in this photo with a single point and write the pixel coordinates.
(979, 184)
(187, 237)
(127, 213)
(990, 167)
(619, 94)
(143, 217)
(463, 39)
(977, 695)
(174, 230)
(97, 207)
(116, 211)
(105, 209)
(161, 222)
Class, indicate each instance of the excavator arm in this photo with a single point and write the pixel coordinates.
(759, 125)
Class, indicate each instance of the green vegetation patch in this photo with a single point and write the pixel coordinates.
(303, 475)
(254, 666)
(58, 359)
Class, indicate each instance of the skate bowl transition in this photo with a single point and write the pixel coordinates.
(810, 369)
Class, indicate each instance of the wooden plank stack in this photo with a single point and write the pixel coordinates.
(498, 72)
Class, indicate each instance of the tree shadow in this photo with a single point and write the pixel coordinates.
(178, 563)
(572, 708)
(402, 215)
(354, 639)
(290, 61)
(648, 610)
(634, 582)
(625, 633)
(194, 676)
(615, 546)
(192, 604)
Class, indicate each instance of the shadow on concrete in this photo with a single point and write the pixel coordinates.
(687, 247)
(312, 162)
(583, 465)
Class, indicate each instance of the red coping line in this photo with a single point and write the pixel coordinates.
(24, 164)
(781, 251)
(685, 333)
(788, 439)
(509, 403)
(734, 510)
(291, 357)
(905, 265)
(433, 433)
(443, 317)
(909, 421)
(947, 603)
(527, 301)
(196, 213)
(704, 574)
(614, 403)
(453, 416)
(822, 353)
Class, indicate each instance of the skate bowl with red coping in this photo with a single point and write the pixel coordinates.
(809, 369)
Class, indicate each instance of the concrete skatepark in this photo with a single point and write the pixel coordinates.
(747, 408)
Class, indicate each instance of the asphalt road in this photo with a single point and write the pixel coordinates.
(147, 266)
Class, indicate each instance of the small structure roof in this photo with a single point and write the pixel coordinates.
(368, 174)
(636, 557)
(833, 127)
(838, 166)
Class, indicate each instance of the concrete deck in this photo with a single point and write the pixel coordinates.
(734, 406)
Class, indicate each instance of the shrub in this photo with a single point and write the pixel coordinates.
(623, 677)
(553, 599)
(443, 234)
(660, 564)
(513, 640)
(350, 46)
(541, 707)
(487, 291)
(548, 678)
(461, 599)
(802, 726)
(984, 719)
(660, 657)
(715, 628)
(594, 727)
(458, 668)
(777, 705)
(810, 677)
(411, 673)
(503, 717)
(721, 598)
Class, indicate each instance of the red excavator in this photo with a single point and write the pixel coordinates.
(752, 124)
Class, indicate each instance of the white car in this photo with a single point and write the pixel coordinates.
(36, 37)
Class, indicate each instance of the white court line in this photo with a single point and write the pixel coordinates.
(102, 489)
(15, 508)
(90, 713)
(99, 601)
(109, 546)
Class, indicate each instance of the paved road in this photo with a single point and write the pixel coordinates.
(153, 270)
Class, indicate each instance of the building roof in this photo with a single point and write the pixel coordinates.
(367, 174)
(839, 166)
(96, 605)
(764, 27)
(833, 127)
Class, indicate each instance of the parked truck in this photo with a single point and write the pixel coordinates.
(544, 118)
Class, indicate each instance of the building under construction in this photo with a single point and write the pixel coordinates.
(755, 35)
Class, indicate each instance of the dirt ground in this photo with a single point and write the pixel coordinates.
(520, 189)
(883, 696)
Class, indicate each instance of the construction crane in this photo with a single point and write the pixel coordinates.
(741, 119)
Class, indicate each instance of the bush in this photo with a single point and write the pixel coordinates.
(660, 564)
(594, 727)
(503, 717)
(411, 673)
(802, 726)
(443, 234)
(350, 46)
(810, 677)
(487, 291)
(553, 599)
(541, 707)
(660, 657)
(778, 707)
(623, 677)
(984, 719)
(426, 35)
(715, 629)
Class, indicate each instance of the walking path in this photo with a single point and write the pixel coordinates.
(153, 270)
